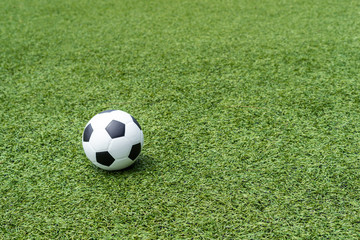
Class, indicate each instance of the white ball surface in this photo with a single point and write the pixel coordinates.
(112, 140)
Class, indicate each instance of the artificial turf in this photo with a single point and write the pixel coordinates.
(250, 111)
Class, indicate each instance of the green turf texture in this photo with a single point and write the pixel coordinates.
(250, 111)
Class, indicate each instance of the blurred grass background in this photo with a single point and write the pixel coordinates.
(250, 111)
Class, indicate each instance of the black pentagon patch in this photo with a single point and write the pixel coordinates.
(136, 122)
(115, 129)
(135, 151)
(87, 133)
(107, 111)
(104, 158)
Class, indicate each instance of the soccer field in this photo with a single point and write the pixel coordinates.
(250, 112)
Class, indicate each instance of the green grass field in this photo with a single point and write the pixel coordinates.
(250, 111)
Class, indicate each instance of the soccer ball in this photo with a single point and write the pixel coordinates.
(112, 140)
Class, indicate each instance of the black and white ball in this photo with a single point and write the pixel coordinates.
(112, 140)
